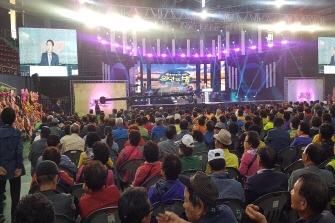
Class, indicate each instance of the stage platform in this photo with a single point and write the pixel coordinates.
(211, 105)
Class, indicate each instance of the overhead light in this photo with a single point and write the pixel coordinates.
(279, 3)
(203, 3)
(204, 14)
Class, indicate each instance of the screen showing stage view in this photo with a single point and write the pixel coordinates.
(326, 55)
(48, 52)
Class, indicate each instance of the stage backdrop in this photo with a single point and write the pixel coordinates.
(304, 89)
(84, 94)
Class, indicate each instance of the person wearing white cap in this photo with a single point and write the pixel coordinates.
(186, 145)
(228, 188)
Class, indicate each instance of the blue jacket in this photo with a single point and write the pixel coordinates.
(11, 150)
(65, 162)
(208, 138)
(165, 190)
(278, 139)
(157, 131)
(120, 133)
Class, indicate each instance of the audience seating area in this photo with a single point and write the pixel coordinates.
(9, 59)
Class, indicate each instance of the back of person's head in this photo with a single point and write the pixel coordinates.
(326, 130)
(75, 128)
(119, 122)
(183, 124)
(139, 121)
(253, 138)
(295, 122)
(53, 154)
(278, 122)
(263, 113)
(8, 116)
(233, 128)
(151, 151)
(271, 117)
(134, 205)
(171, 166)
(45, 132)
(210, 126)
(171, 131)
(67, 129)
(314, 191)
(216, 160)
(91, 128)
(316, 121)
(144, 120)
(304, 127)
(52, 140)
(240, 112)
(287, 116)
(256, 120)
(95, 175)
(91, 138)
(247, 125)
(315, 153)
(34, 208)
(267, 157)
(91, 118)
(134, 137)
(201, 121)
(326, 118)
(198, 135)
(44, 118)
(222, 118)
(101, 152)
(255, 128)
(233, 118)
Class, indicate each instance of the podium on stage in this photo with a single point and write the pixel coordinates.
(206, 93)
(149, 94)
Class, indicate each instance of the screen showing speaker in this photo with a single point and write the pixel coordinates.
(326, 55)
(48, 52)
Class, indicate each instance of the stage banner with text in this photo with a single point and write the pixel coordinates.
(85, 95)
(304, 89)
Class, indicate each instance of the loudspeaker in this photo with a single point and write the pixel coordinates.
(36, 83)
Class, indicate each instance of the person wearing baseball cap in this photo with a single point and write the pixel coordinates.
(200, 194)
(186, 146)
(222, 141)
(228, 188)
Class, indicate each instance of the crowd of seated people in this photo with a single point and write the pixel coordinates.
(245, 139)
(9, 59)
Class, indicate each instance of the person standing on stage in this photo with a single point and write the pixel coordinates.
(97, 108)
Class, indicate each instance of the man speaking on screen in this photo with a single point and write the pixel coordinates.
(49, 58)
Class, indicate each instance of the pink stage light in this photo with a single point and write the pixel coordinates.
(149, 55)
(128, 48)
(163, 55)
(270, 45)
(99, 38)
(284, 42)
(237, 49)
(253, 47)
(116, 45)
(196, 55)
(225, 51)
(103, 41)
(183, 55)
(209, 55)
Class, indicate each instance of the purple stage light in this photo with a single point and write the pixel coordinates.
(99, 38)
(149, 55)
(253, 47)
(196, 55)
(209, 55)
(103, 41)
(128, 48)
(284, 42)
(270, 45)
(163, 55)
(237, 49)
(183, 55)
(116, 45)
(225, 51)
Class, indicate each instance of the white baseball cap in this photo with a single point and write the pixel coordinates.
(215, 154)
(187, 141)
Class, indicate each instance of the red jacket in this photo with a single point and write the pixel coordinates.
(145, 171)
(105, 197)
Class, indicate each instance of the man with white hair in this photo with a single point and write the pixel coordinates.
(74, 141)
(120, 132)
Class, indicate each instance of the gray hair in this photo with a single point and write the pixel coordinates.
(74, 128)
(119, 122)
